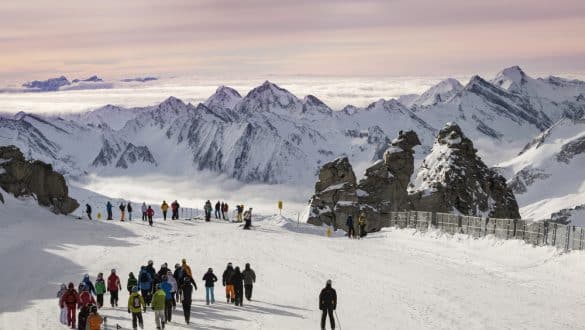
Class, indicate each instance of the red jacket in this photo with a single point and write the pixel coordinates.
(114, 283)
(69, 299)
(174, 206)
(85, 298)
(150, 212)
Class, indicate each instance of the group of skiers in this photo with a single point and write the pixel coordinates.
(221, 210)
(160, 290)
(361, 226)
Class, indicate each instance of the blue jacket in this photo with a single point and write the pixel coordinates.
(144, 285)
(167, 288)
(349, 221)
(90, 286)
(109, 206)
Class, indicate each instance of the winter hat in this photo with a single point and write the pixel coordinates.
(135, 289)
(165, 265)
(229, 264)
(131, 274)
(210, 270)
(177, 266)
(248, 265)
(184, 261)
(86, 277)
(71, 285)
(328, 282)
(114, 270)
(150, 262)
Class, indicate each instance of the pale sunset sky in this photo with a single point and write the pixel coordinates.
(113, 38)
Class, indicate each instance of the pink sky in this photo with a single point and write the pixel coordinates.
(114, 38)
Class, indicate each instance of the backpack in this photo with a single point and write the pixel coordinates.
(71, 297)
(144, 277)
(136, 302)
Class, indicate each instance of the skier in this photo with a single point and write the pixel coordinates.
(135, 307)
(87, 282)
(328, 303)
(249, 280)
(174, 287)
(186, 292)
(95, 320)
(150, 214)
(238, 281)
(129, 208)
(144, 209)
(248, 219)
(164, 208)
(69, 300)
(224, 211)
(145, 283)
(210, 280)
(63, 314)
(227, 282)
(186, 268)
(349, 223)
(207, 209)
(167, 287)
(109, 210)
(158, 306)
(100, 289)
(88, 211)
(362, 224)
(132, 282)
(114, 287)
(122, 209)
(217, 209)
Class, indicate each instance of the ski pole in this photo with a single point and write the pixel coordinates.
(337, 317)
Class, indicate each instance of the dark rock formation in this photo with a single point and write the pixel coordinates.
(454, 179)
(34, 178)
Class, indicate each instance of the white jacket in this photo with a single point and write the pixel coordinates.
(144, 208)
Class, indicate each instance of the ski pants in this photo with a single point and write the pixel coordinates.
(351, 232)
(187, 310)
(159, 318)
(248, 290)
(89, 215)
(137, 320)
(209, 297)
(100, 300)
(168, 310)
(217, 213)
(230, 294)
(114, 298)
(150, 221)
(144, 217)
(109, 214)
(239, 295)
(165, 215)
(327, 311)
(129, 216)
(362, 230)
(71, 315)
(146, 295)
(122, 213)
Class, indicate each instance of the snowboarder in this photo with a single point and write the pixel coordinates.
(144, 210)
(224, 211)
(229, 285)
(122, 208)
(109, 210)
(150, 214)
(95, 320)
(238, 281)
(88, 211)
(129, 208)
(186, 292)
(114, 287)
(210, 280)
(69, 301)
(100, 289)
(207, 208)
(164, 208)
(136, 306)
(167, 287)
(158, 306)
(248, 219)
(328, 303)
(145, 283)
(349, 224)
(249, 280)
(362, 225)
(132, 282)
(63, 314)
(217, 209)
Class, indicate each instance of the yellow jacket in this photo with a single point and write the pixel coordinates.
(362, 219)
(164, 206)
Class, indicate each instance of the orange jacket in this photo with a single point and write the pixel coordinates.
(94, 322)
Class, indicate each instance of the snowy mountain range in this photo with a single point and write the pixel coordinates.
(272, 136)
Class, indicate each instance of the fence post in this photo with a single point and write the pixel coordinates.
(581, 240)
(568, 237)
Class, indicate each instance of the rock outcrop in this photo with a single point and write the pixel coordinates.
(453, 178)
(335, 195)
(34, 178)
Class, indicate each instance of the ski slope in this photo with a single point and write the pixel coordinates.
(394, 279)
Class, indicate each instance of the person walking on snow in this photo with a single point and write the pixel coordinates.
(69, 300)
(327, 303)
(207, 208)
(158, 306)
(150, 214)
(175, 208)
(109, 210)
(178, 275)
(129, 208)
(132, 282)
(174, 287)
(248, 219)
(122, 211)
(87, 282)
(100, 289)
(186, 268)
(63, 314)
(114, 287)
(145, 283)
(135, 307)
(144, 210)
(88, 211)
(362, 225)
(226, 280)
(350, 229)
(249, 280)
(238, 281)
(167, 288)
(186, 292)
(210, 280)
(95, 320)
(164, 208)
(217, 209)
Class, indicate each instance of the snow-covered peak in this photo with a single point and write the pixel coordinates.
(223, 98)
(511, 79)
(439, 93)
(388, 105)
(311, 104)
(270, 97)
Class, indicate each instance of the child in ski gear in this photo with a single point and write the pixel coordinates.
(144, 214)
(362, 225)
(186, 292)
(129, 208)
(122, 210)
(88, 211)
(100, 289)
(226, 280)
(150, 214)
(69, 300)
(328, 303)
(349, 224)
(135, 307)
(210, 280)
(132, 282)
(217, 209)
(238, 282)
(249, 280)
(114, 287)
(164, 208)
(95, 320)
(158, 306)
(109, 210)
(248, 218)
(145, 283)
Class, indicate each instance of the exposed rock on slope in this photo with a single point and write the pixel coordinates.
(34, 178)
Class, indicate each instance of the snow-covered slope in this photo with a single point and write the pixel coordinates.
(439, 93)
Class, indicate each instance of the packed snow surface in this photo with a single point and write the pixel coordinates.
(394, 279)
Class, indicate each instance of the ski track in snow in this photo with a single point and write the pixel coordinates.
(394, 279)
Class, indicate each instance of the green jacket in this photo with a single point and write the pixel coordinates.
(158, 300)
(100, 287)
(135, 306)
(132, 282)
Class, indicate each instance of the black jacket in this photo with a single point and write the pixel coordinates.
(226, 279)
(249, 276)
(328, 298)
(209, 279)
(238, 280)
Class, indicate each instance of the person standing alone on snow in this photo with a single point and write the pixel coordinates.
(350, 229)
(114, 287)
(129, 208)
(150, 214)
(217, 209)
(88, 211)
(327, 303)
(248, 219)
(109, 210)
(122, 211)
(210, 280)
(249, 280)
(164, 208)
(144, 209)
(175, 209)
